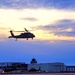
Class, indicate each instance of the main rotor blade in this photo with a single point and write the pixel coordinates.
(18, 31)
(26, 30)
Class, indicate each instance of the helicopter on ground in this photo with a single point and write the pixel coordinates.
(25, 35)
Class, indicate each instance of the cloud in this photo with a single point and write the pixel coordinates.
(4, 28)
(65, 28)
(4, 33)
(29, 19)
(58, 4)
(62, 28)
(64, 33)
(51, 21)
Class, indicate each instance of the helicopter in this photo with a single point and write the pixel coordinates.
(25, 35)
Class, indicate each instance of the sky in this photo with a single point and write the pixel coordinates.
(52, 22)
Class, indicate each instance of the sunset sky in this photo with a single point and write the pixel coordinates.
(52, 22)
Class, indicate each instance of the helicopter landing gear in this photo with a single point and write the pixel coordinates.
(27, 38)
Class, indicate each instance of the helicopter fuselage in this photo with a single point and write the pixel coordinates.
(22, 35)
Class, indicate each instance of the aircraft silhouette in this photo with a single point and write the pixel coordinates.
(24, 35)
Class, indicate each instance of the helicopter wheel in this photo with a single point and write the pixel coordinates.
(27, 38)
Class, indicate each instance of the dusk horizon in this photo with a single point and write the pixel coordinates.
(51, 21)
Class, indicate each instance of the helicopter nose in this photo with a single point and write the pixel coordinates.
(33, 35)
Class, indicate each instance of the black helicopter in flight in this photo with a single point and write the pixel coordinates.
(25, 35)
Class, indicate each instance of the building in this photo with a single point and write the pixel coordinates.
(36, 67)
(70, 68)
(46, 67)
(11, 66)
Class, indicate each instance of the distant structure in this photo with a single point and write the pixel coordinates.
(46, 67)
(50, 67)
(70, 68)
(12, 66)
(56, 67)
(33, 61)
